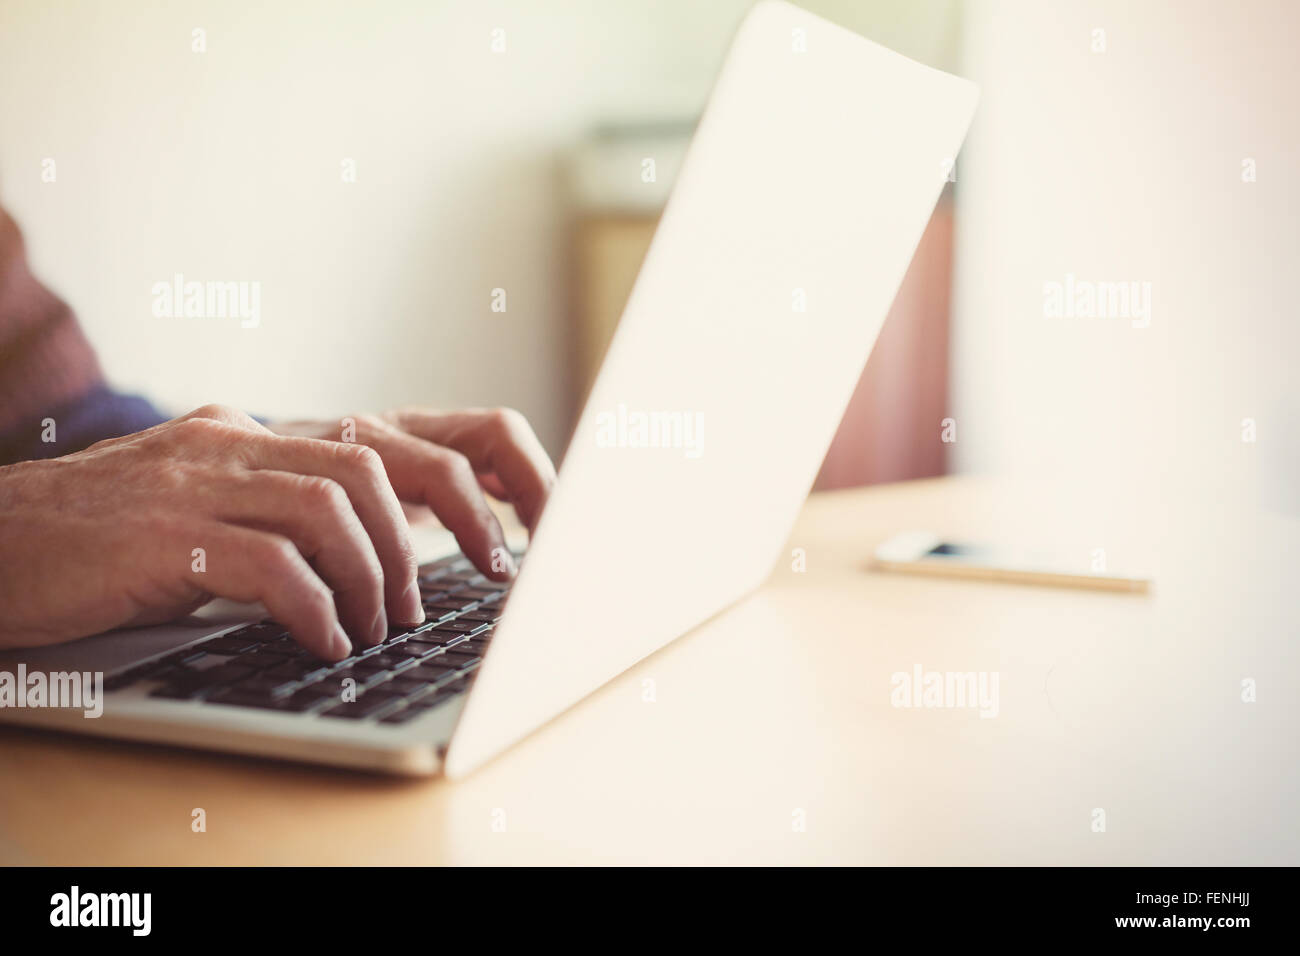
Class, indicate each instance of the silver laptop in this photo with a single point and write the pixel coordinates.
(804, 193)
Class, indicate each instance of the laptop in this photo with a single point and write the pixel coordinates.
(810, 178)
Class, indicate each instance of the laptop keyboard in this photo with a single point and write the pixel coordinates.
(414, 670)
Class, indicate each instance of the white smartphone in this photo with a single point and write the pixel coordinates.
(923, 552)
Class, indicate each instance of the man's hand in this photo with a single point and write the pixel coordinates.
(447, 461)
(149, 527)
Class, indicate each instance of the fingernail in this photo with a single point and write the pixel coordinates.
(340, 646)
(412, 606)
(379, 630)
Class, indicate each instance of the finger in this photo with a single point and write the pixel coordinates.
(317, 516)
(444, 480)
(492, 485)
(498, 442)
(360, 471)
(248, 565)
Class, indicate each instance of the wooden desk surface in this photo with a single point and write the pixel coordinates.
(779, 711)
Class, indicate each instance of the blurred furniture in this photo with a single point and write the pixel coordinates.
(891, 430)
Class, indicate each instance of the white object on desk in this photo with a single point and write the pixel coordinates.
(923, 552)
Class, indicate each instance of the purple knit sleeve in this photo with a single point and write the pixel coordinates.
(98, 414)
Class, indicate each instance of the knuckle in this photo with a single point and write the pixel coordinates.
(275, 554)
(216, 412)
(199, 429)
(322, 493)
(508, 420)
(453, 467)
(361, 457)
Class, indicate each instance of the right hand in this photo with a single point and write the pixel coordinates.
(109, 537)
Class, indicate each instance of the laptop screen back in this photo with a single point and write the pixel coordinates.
(803, 195)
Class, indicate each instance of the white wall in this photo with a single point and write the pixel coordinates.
(225, 165)
(1126, 164)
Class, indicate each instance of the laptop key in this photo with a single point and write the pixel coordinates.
(408, 687)
(368, 679)
(407, 713)
(429, 638)
(459, 626)
(448, 691)
(302, 701)
(301, 669)
(397, 634)
(323, 689)
(278, 648)
(229, 645)
(382, 662)
(264, 631)
(407, 650)
(451, 604)
(259, 660)
(417, 708)
(419, 651)
(227, 673)
(268, 686)
(434, 671)
(435, 614)
(466, 648)
(462, 661)
(178, 691)
(239, 697)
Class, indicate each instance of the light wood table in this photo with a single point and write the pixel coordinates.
(778, 713)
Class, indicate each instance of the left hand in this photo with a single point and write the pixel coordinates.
(447, 460)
